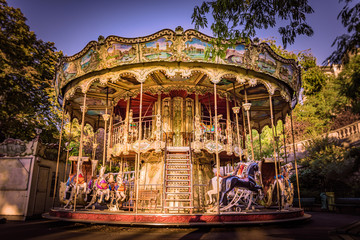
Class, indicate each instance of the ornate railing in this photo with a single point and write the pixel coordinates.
(125, 135)
(346, 132)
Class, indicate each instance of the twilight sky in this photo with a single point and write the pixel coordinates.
(71, 24)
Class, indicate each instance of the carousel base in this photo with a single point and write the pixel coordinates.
(263, 216)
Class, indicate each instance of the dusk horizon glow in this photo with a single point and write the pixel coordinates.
(73, 24)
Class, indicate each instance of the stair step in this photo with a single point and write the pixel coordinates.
(178, 174)
(178, 200)
(178, 180)
(170, 186)
(178, 164)
(178, 149)
(177, 193)
(178, 207)
(177, 160)
(178, 169)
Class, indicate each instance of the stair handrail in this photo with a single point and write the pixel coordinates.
(191, 178)
(164, 174)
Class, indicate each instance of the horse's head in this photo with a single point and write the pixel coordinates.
(102, 171)
(252, 169)
(286, 169)
(119, 178)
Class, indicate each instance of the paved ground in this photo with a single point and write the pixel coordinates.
(323, 225)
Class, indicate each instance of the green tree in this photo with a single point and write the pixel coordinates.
(240, 19)
(26, 72)
(349, 43)
(349, 80)
(330, 167)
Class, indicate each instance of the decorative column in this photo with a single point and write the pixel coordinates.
(274, 146)
(197, 129)
(158, 126)
(83, 110)
(295, 160)
(59, 151)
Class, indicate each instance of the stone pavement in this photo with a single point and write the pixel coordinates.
(323, 225)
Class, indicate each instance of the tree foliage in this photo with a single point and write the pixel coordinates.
(349, 80)
(349, 43)
(330, 167)
(26, 71)
(233, 19)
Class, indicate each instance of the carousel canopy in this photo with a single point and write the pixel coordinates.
(173, 63)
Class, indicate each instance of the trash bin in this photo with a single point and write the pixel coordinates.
(323, 201)
(330, 200)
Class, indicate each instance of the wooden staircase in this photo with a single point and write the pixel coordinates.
(178, 189)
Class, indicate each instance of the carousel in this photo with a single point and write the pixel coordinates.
(176, 122)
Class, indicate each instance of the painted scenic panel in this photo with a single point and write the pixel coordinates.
(266, 62)
(195, 49)
(286, 72)
(159, 49)
(118, 53)
(235, 55)
(90, 61)
(69, 69)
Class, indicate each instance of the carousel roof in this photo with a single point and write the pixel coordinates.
(173, 63)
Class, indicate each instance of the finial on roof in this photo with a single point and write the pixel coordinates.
(179, 30)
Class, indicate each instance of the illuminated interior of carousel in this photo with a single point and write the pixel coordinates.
(175, 121)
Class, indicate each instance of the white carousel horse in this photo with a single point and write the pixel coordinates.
(79, 189)
(120, 189)
(100, 188)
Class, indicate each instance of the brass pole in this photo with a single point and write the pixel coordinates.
(274, 145)
(139, 154)
(247, 106)
(109, 141)
(244, 133)
(260, 143)
(296, 167)
(59, 151)
(284, 135)
(68, 151)
(217, 149)
(236, 111)
(83, 109)
(106, 118)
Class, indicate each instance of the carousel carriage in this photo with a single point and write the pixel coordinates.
(170, 115)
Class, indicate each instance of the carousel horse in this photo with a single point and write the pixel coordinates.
(100, 189)
(286, 188)
(79, 188)
(239, 171)
(248, 183)
(120, 189)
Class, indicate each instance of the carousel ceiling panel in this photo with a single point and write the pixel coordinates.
(168, 46)
(174, 63)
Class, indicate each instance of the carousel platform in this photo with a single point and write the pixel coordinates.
(254, 217)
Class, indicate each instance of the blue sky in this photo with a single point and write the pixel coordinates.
(71, 24)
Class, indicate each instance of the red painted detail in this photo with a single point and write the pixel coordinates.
(127, 218)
